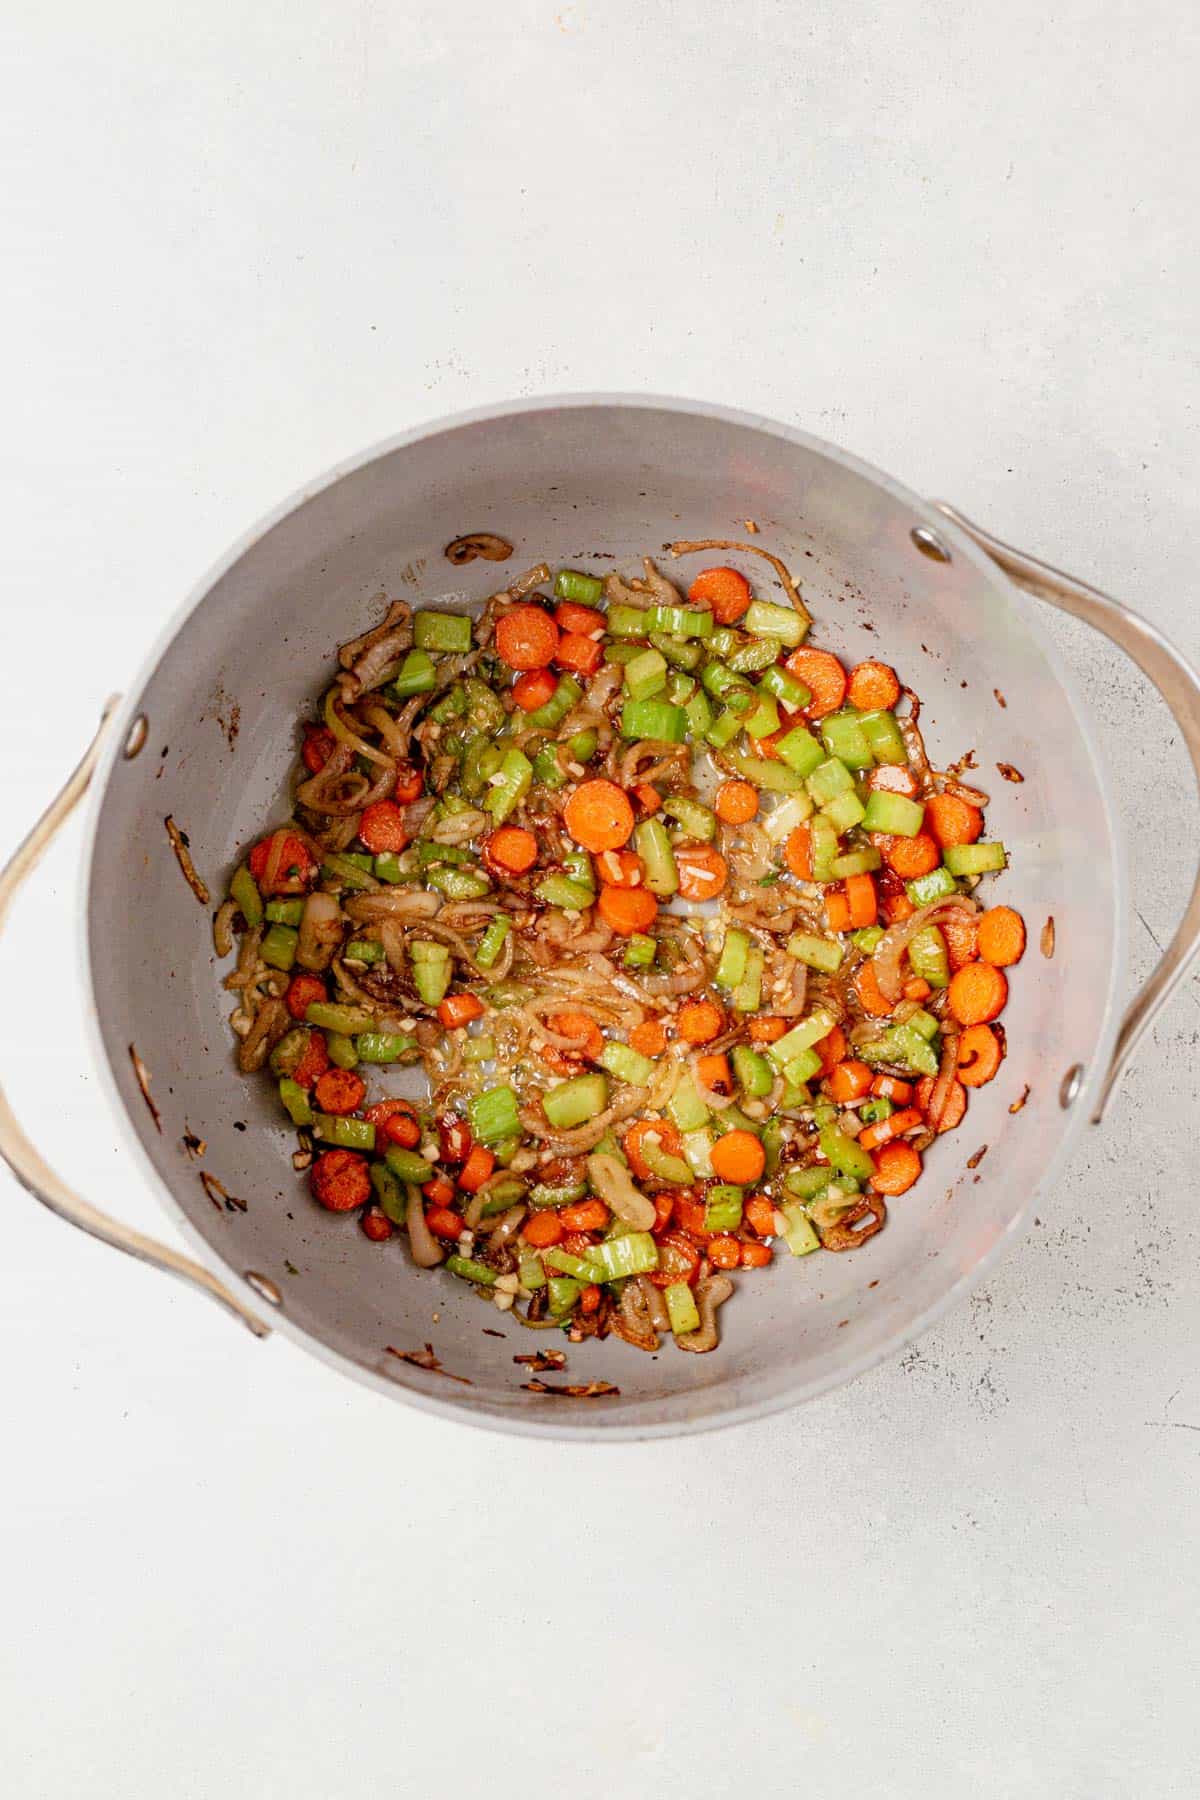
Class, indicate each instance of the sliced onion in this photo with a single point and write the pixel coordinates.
(943, 1082)
(426, 1251)
(892, 945)
(320, 931)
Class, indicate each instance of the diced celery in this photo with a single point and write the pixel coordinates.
(688, 1111)
(654, 719)
(815, 952)
(747, 995)
(416, 675)
(622, 652)
(279, 947)
(447, 632)
(466, 1267)
(731, 965)
(384, 1046)
(408, 1165)
(844, 811)
(800, 750)
(772, 1143)
(572, 584)
(721, 732)
(681, 653)
(697, 1148)
(924, 1022)
(284, 912)
(389, 1193)
(867, 939)
(799, 1234)
(244, 889)
(828, 779)
(762, 720)
(640, 951)
(479, 1049)
(574, 1102)
(658, 859)
(699, 712)
(755, 1076)
(723, 642)
(662, 1164)
(809, 1031)
(645, 675)
(873, 1110)
(894, 813)
(563, 1292)
(566, 695)
(751, 655)
(565, 1193)
(783, 819)
(883, 734)
(347, 1134)
(782, 623)
(783, 684)
(772, 777)
(806, 1184)
(975, 859)
(295, 1100)
(681, 1308)
(431, 971)
(721, 682)
(802, 1068)
(626, 1064)
(928, 956)
(697, 821)
(680, 621)
(862, 861)
(680, 688)
(530, 1272)
(492, 941)
(824, 847)
(844, 1154)
(510, 785)
(627, 621)
(547, 769)
(615, 1258)
(342, 1051)
(582, 747)
(795, 1096)
(349, 1020)
(923, 889)
(560, 890)
(493, 1115)
(843, 736)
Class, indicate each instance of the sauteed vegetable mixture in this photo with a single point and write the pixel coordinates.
(675, 914)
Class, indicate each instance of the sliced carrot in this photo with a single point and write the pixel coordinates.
(526, 638)
(954, 1107)
(736, 802)
(571, 617)
(864, 904)
(440, 1192)
(582, 1029)
(725, 590)
(700, 1021)
(578, 653)
(635, 1137)
(797, 853)
(884, 1130)
(1001, 936)
(339, 1091)
(648, 798)
(648, 1038)
(738, 1157)
(894, 778)
(916, 989)
(897, 1166)
(620, 868)
(410, 784)
(873, 687)
(951, 820)
(977, 993)
(702, 871)
(894, 902)
(756, 1256)
(401, 1129)
(892, 1088)
(823, 676)
(459, 1009)
(759, 1215)
(382, 828)
(382, 1110)
(590, 1297)
(444, 1222)
(302, 992)
(584, 1215)
(476, 1170)
(979, 1055)
(960, 930)
(831, 1049)
(376, 1225)
(598, 815)
(714, 1072)
(313, 1062)
(871, 998)
(626, 910)
(281, 864)
(724, 1252)
(837, 909)
(542, 1230)
(340, 1180)
(511, 849)
(909, 857)
(534, 689)
(849, 1081)
(664, 1208)
(768, 1029)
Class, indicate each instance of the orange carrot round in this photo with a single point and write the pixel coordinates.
(1001, 936)
(768, 1029)
(339, 1091)
(823, 676)
(960, 930)
(526, 638)
(725, 590)
(759, 1215)
(584, 1215)
(626, 910)
(951, 820)
(736, 802)
(909, 856)
(578, 653)
(444, 1222)
(916, 988)
(873, 687)
(340, 1180)
(542, 1230)
(700, 1021)
(977, 993)
(511, 849)
(382, 828)
(713, 1071)
(797, 853)
(738, 1157)
(955, 1105)
(648, 1038)
(756, 1256)
(598, 815)
(534, 689)
(831, 1049)
(849, 1081)
(897, 1166)
(702, 871)
(724, 1252)
(870, 995)
(894, 1126)
(476, 1170)
(979, 1055)
(581, 619)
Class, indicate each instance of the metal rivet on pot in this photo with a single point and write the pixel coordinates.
(136, 737)
(1070, 1085)
(265, 1287)
(929, 544)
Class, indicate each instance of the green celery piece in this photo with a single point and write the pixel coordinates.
(646, 675)
(658, 859)
(867, 939)
(584, 590)
(803, 1036)
(347, 1134)
(408, 1165)
(546, 767)
(883, 735)
(679, 652)
(762, 720)
(627, 621)
(747, 995)
(910, 1049)
(799, 1234)
(530, 1272)
(563, 1292)
(681, 1309)
(615, 1258)
(626, 1064)
(688, 1111)
(493, 1115)
(844, 1154)
(640, 951)
(662, 1164)
(719, 680)
(722, 1208)
(802, 1067)
(657, 720)
(549, 717)
(922, 890)
(295, 1100)
(700, 715)
(279, 947)
(782, 623)
(772, 1143)
(244, 889)
(844, 811)
(574, 1102)
(807, 1184)
(578, 865)
(289, 1051)
(384, 1046)
(458, 884)
(829, 779)
(801, 751)
(924, 1022)
(392, 867)
(721, 731)
(429, 852)
(389, 1193)
(492, 941)
(755, 1076)
(823, 954)
(731, 966)
(582, 747)
(284, 912)
(515, 776)
(452, 705)
(485, 710)
(928, 956)
(502, 1194)
(479, 1049)
(862, 861)
(697, 1148)
(560, 890)
(772, 777)
(895, 814)
(348, 1020)
(824, 848)
(791, 693)
(564, 1193)
(698, 821)
(466, 1267)
(342, 1051)
(680, 621)
(783, 819)
(975, 859)
(872, 1111)
(751, 655)
(843, 736)
(446, 632)
(417, 675)
(723, 642)
(431, 972)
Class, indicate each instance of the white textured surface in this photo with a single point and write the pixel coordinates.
(245, 241)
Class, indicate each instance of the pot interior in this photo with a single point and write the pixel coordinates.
(595, 486)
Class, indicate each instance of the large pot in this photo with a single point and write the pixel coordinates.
(573, 480)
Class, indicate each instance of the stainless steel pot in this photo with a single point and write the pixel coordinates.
(584, 481)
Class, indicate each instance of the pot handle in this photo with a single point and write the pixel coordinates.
(23, 1159)
(1179, 686)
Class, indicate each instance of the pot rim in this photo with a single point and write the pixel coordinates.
(518, 1422)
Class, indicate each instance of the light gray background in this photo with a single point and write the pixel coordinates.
(241, 242)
